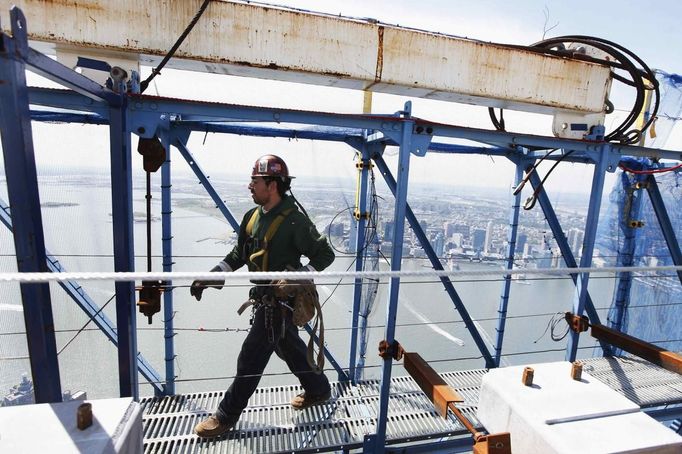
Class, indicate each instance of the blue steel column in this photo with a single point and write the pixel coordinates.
(122, 219)
(167, 252)
(360, 252)
(394, 286)
(588, 245)
(664, 221)
(626, 253)
(511, 250)
(29, 241)
(437, 265)
(561, 241)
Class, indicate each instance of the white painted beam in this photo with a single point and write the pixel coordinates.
(277, 43)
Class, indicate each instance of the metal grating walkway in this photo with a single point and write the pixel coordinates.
(270, 425)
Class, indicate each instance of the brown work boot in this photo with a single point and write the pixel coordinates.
(211, 427)
(304, 400)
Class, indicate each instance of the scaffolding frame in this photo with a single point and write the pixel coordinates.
(172, 121)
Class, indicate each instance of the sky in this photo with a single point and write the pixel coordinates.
(650, 30)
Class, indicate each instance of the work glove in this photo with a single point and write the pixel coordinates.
(198, 286)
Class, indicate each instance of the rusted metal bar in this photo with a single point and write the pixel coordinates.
(440, 393)
(444, 397)
(499, 443)
(657, 355)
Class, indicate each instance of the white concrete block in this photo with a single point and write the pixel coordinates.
(116, 428)
(560, 415)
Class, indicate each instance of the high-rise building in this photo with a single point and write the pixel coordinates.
(521, 240)
(438, 244)
(575, 241)
(478, 241)
(388, 230)
(488, 238)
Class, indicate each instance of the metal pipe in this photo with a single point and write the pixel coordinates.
(167, 252)
(591, 222)
(511, 251)
(360, 251)
(394, 286)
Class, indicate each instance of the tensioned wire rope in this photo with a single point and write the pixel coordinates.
(303, 275)
(347, 328)
(374, 366)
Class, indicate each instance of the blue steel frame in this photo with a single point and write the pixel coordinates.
(626, 254)
(363, 171)
(511, 252)
(664, 221)
(22, 188)
(134, 113)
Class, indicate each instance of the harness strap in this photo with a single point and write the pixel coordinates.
(272, 229)
(316, 363)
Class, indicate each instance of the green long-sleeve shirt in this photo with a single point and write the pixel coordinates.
(297, 236)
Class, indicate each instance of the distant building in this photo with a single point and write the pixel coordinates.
(488, 238)
(438, 244)
(463, 229)
(521, 240)
(478, 240)
(389, 228)
(575, 241)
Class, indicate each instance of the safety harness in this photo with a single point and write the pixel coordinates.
(311, 297)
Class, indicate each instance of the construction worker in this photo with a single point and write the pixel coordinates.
(263, 247)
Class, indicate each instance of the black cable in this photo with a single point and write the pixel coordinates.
(169, 55)
(530, 202)
(86, 324)
(623, 61)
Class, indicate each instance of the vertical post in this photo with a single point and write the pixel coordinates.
(360, 251)
(664, 221)
(394, 286)
(588, 245)
(167, 252)
(27, 223)
(511, 250)
(437, 265)
(561, 241)
(122, 220)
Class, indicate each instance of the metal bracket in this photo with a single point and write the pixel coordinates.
(393, 350)
(578, 324)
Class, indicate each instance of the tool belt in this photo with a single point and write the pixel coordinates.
(298, 298)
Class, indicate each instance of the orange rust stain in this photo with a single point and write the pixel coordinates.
(380, 55)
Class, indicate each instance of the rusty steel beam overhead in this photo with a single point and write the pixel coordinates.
(270, 42)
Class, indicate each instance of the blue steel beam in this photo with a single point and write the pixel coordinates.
(394, 285)
(194, 165)
(561, 241)
(88, 305)
(22, 188)
(124, 259)
(51, 69)
(141, 105)
(64, 99)
(167, 252)
(437, 265)
(581, 295)
(203, 116)
(511, 251)
(664, 221)
(360, 251)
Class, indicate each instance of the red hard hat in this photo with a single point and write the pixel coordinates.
(270, 165)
